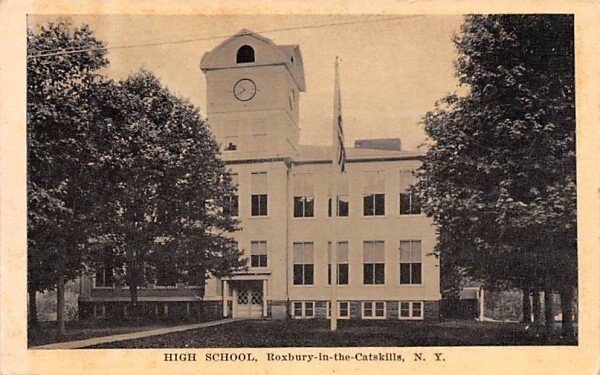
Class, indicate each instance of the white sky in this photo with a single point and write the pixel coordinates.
(391, 72)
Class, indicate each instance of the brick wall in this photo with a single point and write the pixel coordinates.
(277, 309)
(432, 310)
(153, 310)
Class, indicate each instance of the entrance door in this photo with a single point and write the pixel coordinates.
(249, 301)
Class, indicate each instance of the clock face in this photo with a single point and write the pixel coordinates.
(244, 90)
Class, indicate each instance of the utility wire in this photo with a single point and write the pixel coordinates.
(56, 52)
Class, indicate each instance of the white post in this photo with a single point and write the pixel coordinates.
(225, 294)
(481, 305)
(264, 298)
(234, 303)
(337, 161)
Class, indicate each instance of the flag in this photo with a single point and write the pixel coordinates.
(338, 129)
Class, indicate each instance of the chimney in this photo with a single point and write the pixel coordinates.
(389, 144)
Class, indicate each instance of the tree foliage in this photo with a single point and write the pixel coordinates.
(61, 147)
(499, 174)
(120, 174)
(166, 186)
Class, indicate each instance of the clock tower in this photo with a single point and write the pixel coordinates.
(252, 96)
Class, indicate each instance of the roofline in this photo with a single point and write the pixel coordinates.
(286, 160)
(242, 32)
(364, 160)
(289, 160)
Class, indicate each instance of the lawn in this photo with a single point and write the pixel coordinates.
(46, 333)
(315, 333)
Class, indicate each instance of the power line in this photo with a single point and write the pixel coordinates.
(56, 52)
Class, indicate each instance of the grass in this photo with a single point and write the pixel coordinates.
(46, 332)
(315, 333)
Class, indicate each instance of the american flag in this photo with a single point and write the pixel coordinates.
(338, 129)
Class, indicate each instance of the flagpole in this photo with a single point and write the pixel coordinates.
(334, 277)
(336, 168)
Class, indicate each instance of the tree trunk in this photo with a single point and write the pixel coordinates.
(537, 308)
(201, 291)
(548, 315)
(32, 312)
(132, 281)
(60, 304)
(526, 306)
(566, 305)
(201, 310)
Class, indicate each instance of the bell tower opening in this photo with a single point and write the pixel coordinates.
(245, 55)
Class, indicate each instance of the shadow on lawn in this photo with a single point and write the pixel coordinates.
(46, 332)
(360, 333)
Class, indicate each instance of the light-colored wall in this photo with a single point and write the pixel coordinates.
(280, 229)
(271, 228)
(357, 228)
(270, 108)
(321, 229)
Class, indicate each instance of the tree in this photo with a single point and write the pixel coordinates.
(60, 150)
(499, 175)
(165, 185)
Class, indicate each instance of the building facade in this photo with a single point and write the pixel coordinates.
(290, 220)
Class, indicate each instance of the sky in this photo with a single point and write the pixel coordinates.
(391, 72)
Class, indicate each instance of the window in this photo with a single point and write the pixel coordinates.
(303, 309)
(230, 206)
(342, 263)
(374, 193)
(105, 272)
(343, 310)
(342, 192)
(303, 206)
(373, 262)
(343, 206)
(410, 262)
(374, 205)
(258, 253)
(410, 310)
(303, 195)
(245, 55)
(303, 263)
(259, 203)
(231, 202)
(409, 204)
(373, 310)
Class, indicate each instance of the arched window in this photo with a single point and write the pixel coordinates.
(245, 54)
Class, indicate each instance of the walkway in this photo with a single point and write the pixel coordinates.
(130, 336)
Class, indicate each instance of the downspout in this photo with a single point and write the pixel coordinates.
(287, 239)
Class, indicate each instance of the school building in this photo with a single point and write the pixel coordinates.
(290, 219)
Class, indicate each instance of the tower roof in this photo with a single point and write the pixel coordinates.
(267, 52)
